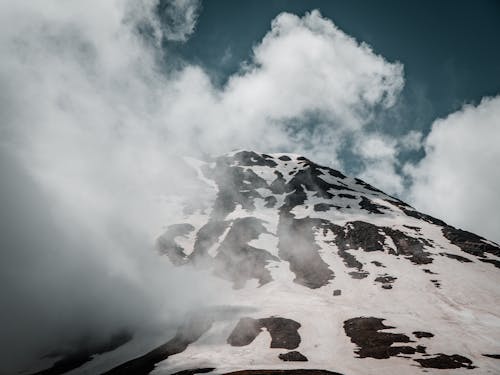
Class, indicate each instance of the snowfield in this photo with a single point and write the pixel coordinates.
(337, 258)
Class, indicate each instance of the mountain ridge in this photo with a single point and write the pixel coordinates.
(326, 274)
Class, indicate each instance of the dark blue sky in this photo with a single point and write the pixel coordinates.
(450, 49)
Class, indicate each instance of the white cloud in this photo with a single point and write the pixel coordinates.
(304, 70)
(379, 156)
(178, 18)
(459, 179)
(411, 141)
(306, 64)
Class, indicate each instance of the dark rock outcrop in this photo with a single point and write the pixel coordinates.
(294, 356)
(365, 333)
(284, 332)
(469, 242)
(420, 334)
(445, 361)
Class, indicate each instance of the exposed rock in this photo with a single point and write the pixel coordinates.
(495, 356)
(195, 371)
(456, 257)
(420, 334)
(421, 216)
(412, 248)
(426, 270)
(352, 236)
(359, 234)
(367, 186)
(367, 204)
(359, 275)
(325, 207)
(421, 349)
(293, 357)
(334, 173)
(444, 361)
(249, 158)
(436, 283)
(337, 292)
(296, 198)
(309, 178)
(385, 279)
(469, 242)
(284, 332)
(364, 332)
(350, 260)
(400, 204)
(347, 196)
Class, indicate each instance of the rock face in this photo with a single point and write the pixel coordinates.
(326, 274)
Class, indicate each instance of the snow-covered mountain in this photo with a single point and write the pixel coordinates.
(328, 274)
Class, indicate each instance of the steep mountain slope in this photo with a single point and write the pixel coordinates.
(328, 274)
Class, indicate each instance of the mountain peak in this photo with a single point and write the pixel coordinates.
(318, 267)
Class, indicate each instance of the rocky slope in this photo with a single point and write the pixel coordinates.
(329, 275)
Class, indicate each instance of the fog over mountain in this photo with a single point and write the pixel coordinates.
(320, 273)
(104, 129)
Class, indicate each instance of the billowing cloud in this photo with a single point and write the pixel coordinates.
(178, 18)
(305, 71)
(380, 156)
(458, 179)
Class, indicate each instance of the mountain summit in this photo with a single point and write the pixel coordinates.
(329, 275)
